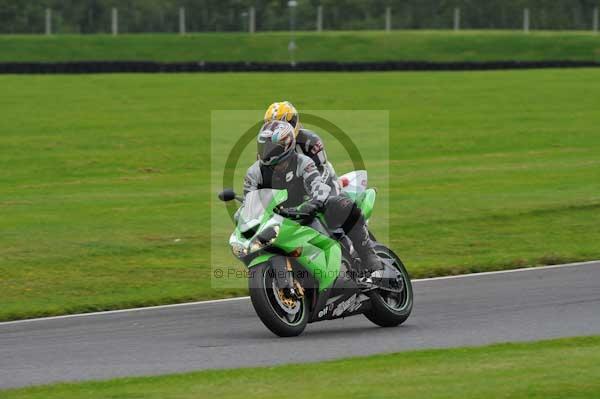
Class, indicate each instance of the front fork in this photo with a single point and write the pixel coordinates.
(284, 276)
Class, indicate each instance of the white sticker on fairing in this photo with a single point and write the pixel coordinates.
(348, 306)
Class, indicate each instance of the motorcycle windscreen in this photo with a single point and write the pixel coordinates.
(256, 203)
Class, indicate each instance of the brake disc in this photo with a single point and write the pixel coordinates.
(289, 305)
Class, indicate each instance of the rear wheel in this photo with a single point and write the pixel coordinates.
(284, 316)
(389, 309)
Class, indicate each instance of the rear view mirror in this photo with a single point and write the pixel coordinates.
(227, 195)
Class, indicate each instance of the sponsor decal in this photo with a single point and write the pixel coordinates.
(350, 305)
(328, 308)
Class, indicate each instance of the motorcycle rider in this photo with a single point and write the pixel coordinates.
(279, 166)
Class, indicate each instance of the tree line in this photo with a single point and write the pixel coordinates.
(94, 16)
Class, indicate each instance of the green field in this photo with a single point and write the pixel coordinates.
(330, 46)
(566, 368)
(104, 179)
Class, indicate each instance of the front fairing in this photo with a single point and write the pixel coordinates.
(316, 252)
(253, 218)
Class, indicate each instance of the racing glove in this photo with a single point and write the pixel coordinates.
(310, 207)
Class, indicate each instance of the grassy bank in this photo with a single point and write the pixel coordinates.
(104, 180)
(329, 46)
(566, 368)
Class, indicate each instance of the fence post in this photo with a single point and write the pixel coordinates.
(526, 20)
(48, 21)
(388, 19)
(251, 20)
(182, 21)
(319, 18)
(456, 18)
(595, 20)
(115, 21)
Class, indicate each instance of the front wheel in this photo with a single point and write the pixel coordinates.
(284, 316)
(391, 309)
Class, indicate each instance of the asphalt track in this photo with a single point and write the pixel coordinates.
(475, 309)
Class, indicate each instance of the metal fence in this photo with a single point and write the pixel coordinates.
(182, 20)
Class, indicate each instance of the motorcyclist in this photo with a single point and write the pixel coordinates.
(279, 166)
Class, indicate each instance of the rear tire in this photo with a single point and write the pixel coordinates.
(387, 311)
(273, 315)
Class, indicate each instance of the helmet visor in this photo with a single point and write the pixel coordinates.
(270, 153)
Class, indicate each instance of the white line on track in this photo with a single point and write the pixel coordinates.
(177, 305)
(523, 269)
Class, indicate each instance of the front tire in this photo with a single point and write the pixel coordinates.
(271, 308)
(390, 309)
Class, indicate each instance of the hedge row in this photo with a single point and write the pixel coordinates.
(174, 67)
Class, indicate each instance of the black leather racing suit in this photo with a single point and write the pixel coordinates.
(310, 144)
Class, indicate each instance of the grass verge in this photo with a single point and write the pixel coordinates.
(565, 368)
(104, 183)
(329, 46)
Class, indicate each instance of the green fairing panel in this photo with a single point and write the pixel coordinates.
(322, 262)
(260, 259)
(321, 255)
(366, 202)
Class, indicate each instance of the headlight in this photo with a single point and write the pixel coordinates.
(264, 238)
(255, 245)
(238, 250)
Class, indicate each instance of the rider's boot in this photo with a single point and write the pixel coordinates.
(370, 263)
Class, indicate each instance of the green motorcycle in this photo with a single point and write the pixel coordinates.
(302, 272)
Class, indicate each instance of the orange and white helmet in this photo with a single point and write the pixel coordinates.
(284, 111)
